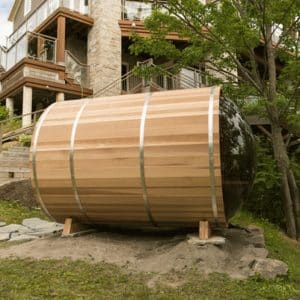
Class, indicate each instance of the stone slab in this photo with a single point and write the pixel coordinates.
(23, 238)
(14, 228)
(215, 240)
(36, 224)
(2, 224)
(4, 237)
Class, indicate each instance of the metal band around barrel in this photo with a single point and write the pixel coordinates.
(71, 158)
(34, 149)
(211, 153)
(142, 159)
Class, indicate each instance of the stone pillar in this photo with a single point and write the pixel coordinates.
(10, 106)
(61, 40)
(105, 45)
(27, 106)
(60, 97)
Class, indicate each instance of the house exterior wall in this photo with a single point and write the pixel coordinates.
(105, 44)
(20, 18)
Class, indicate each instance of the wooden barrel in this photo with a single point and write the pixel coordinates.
(150, 158)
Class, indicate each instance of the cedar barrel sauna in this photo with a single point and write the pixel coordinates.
(169, 158)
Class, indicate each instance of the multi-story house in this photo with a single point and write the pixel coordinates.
(69, 49)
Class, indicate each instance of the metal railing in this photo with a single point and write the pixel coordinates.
(15, 44)
(164, 79)
(39, 15)
(139, 10)
(76, 70)
(32, 45)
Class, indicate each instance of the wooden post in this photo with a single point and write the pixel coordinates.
(67, 226)
(204, 230)
(61, 40)
(71, 227)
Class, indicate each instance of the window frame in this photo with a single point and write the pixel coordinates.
(27, 7)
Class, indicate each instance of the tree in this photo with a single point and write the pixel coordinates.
(251, 47)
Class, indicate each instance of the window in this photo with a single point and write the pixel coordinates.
(27, 7)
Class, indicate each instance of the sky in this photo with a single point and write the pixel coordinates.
(5, 26)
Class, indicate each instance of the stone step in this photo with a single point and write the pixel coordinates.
(14, 164)
(7, 154)
(19, 149)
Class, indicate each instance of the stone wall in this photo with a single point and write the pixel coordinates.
(105, 44)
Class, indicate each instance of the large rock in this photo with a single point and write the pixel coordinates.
(2, 224)
(21, 191)
(269, 268)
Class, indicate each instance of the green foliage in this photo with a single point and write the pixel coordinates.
(4, 113)
(14, 212)
(265, 198)
(11, 125)
(25, 140)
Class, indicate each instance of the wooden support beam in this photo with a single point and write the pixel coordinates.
(73, 228)
(61, 40)
(204, 230)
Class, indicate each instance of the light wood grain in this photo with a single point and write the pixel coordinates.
(107, 159)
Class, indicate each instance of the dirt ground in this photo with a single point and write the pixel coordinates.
(160, 253)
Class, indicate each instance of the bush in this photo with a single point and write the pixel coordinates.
(25, 140)
(265, 198)
(4, 113)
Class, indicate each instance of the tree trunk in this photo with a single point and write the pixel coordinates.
(295, 195)
(290, 190)
(282, 160)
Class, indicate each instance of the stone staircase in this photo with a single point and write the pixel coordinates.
(14, 164)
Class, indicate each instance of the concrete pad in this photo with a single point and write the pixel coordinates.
(215, 240)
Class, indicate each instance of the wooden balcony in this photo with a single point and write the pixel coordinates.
(129, 27)
(41, 75)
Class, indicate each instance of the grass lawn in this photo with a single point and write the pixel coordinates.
(64, 279)
(13, 212)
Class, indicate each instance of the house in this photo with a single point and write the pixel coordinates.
(68, 49)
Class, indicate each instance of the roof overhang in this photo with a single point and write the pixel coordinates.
(14, 9)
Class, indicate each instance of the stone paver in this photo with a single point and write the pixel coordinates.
(30, 229)
(4, 237)
(14, 228)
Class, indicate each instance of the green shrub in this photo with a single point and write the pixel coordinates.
(4, 113)
(265, 198)
(25, 140)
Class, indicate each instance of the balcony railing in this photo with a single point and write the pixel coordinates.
(42, 13)
(32, 45)
(77, 71)
(139, 10)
